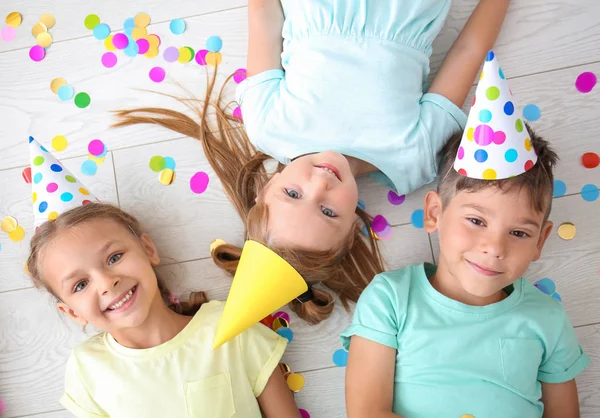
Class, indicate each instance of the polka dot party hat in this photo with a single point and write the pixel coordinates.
(55, 189)
(495, 144)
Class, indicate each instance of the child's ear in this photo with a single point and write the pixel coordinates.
(71, 314)
(546, 229)
(432, 211)
(150, 249)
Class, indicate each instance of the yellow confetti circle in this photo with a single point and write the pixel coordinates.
(84, 191)
(154, 41)
(59, 143)
(467, 416)
(151, 53)
(528, 144)
(97, 160)
(470, 133)
(138, 33)
(38, 28)
(44, 39)
(14, 19)
(141, 20)
(489, 174)
(166, 176)
(33, 197)
(279, 323)
(26, 270)
(567, 231)
(213, 58)
(57, 83)
(48, 20)
(295, 382)
(185, 55)
(9, 224)
(481, 76)
(216, 243)
(108, 43)
(17, 235)
(52, 215)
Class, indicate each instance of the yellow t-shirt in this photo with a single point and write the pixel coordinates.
(181, 378)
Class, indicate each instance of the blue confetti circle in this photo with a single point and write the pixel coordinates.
(590, 192)
(511, 155)
(286, 333)
(30, 139)
(128, 25)
(66, 197)
(490, 56)
(214, 44)
(485, 115)
(56, 168)
(557, 297)
(340, 358)
(66, 92)
(89, 167)
(531, 112)
(132, 49)
(43, 206)
(43, 148)
(560, 188)
(509, 108)
(37, 178)
(546, 285)
(101, 31)
(417, 218)
(361, 205)
(170, 163)
(177, 26)
(501, 73)
(481, 156)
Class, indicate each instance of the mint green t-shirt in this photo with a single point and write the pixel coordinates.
(454, 359)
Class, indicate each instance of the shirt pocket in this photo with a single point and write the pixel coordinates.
(521, 359)
(210, 397)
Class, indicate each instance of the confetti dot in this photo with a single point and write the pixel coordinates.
(501, 74)
(83, 191)
(237, 113)
(57, 83)
(101, 31)
(170, 163)
(157, 163)
(139, 33)
(109, 59)
(141, 20)
(177, 26)
(152, 52)
(120, 41)
(532, 112)
(143, 45)
(52, 216)
(492, 93)
(239, 75)
(65, 92)
(481, 156)
(171, 54)
(17, 235)
(43, 206)
(51, 187)
(27, 175)
(199, 182)
(38, 28)
(157, 74)
(590, 192)
(39, 160)
(154, 41)
(509, 108)
(499, 138)
(82, 100)
(489, 56)
(470, 133)
(567, 231)
(384, 234)
(461, 153)
(70, 178)
(590, 160)
(48, 20)
(8, 33)
(214, 58)
(201, 57)
(379, 223)
(89, 167)
(484, 135)
(395, 199)
(467, 416)
(97, 160)
(485, 115)
(304, 413)
(214, 44)
(519, 125)
(546, 285)
(527, 144)
(56, 168)
(96, 147)
(37, 53)
(8, 224)
(557, 297)
(489, 174)
(129, 25)
(559, 189)
(511, 155)
(528, 165)
(33, 197)
(295, 382)
(185, 55)
(585, 82)
(286, 333)
(66, 197)
(279, 322)
(44, 39)
(282, 314)
(108, 43)
(340, 358)
(166, 176)
(37, 178)
(14, 19)
(416, 219)
(132, 50)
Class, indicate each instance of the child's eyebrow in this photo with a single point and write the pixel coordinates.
(527, 221)
(486, 211)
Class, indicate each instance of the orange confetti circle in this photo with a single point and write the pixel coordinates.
(295, 382)
(139, 32)
(44, 39)
(38, 28)
(213, 58)
(141, 20)
(9, 224)
(48, 20)
(590, 160)
(14, 19)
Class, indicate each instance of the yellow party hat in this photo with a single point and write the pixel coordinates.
(263, 283)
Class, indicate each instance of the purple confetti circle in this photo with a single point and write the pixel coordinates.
(171, 54)
(585, 82)
(396, 199)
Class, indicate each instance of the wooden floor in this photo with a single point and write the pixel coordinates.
(544, 46)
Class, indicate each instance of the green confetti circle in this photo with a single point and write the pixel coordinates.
(91, 21)
(82, 100)
(157, 163)
(492, 93)
(519, 125)
(38, 161)
(70, 179)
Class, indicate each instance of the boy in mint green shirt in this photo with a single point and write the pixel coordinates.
(471, 338)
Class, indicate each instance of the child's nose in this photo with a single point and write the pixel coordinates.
(107, 282)
(494, 245)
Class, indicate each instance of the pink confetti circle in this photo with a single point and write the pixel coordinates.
(239, 75)
(283, 315)
(120, 41)
(484, 135)
(157, 74)
(304, 413)
(8, 33)
(585, 82)
(237, 113)
(379, 223)
(109, 59)
(201, 56)
(96, 147)
(37, 53)
(461, 153)
(199, 182)
(52, 187)
(395, 199)
(499, 138)
(143, 45)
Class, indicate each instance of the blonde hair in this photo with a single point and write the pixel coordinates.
(240, 167)
(94, 211)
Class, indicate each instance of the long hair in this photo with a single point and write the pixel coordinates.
(94, 211)
(241, 168)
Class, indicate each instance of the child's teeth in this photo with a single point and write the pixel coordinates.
(122, 301)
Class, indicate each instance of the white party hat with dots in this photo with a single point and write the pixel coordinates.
(55, 189)
(495, 144)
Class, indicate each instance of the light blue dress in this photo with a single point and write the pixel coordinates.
(354, 81)
(454, 359)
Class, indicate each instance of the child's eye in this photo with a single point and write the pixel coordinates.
(114, 258)
(476, 221)
(328, 212)
(292, 193)
(519, 234)
(80, 286)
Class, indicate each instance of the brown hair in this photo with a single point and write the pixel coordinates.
(240, 167)
(537, 181)
(93, 211)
